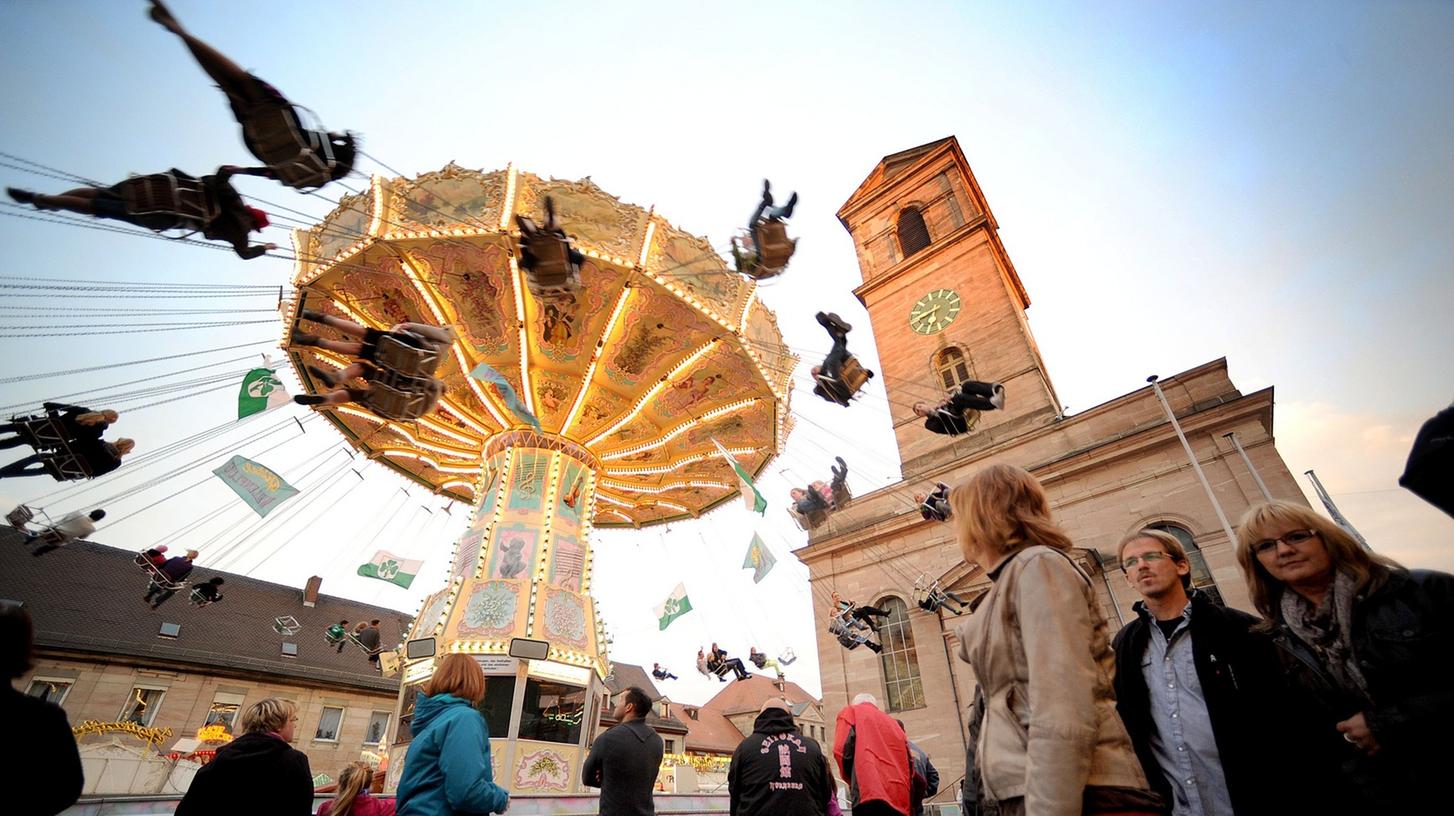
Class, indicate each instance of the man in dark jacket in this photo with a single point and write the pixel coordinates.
(47, 772)
(1198, 690)
(926, 776)
(624, 761)
(777, 771)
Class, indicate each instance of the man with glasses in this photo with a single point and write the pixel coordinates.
(1197, 689)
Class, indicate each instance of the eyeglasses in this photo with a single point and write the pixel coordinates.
(1291, 538)
(1149, 558)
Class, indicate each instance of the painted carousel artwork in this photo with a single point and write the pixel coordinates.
(605, 395)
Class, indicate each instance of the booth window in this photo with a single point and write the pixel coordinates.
(553, 712)
(495, 705)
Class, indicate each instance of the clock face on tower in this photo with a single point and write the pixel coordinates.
(934, 311)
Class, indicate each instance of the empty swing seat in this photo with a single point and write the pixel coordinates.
(19, 517)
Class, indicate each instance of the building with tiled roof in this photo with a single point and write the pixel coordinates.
(104, 655)
(717, 726)
(625, 675)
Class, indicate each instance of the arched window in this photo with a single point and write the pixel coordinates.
(913, 234)
(899, 660)
(1201, 575)
(953, 368)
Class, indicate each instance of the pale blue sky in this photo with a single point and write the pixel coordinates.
(1175, 182)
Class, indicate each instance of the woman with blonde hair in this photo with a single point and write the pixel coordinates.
(1051, 743)
(1370, 643)
(447, 769)
(352, 797)
(259, 772)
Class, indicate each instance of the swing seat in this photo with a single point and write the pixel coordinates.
(851, 380)
(161, 581)
(808, 521)
(842, 496)
(287, 625)
(199, 600)
(172, 195)
(301, 157)
(19, 517)
(787, 657)
(64, 466)
(407, 360)
(397, 398)
(550, 272)
(41, 432)
(774, 248)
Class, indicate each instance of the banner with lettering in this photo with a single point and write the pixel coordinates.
(262, 489)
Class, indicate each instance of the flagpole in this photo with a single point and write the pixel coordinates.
(1332, 508)
(1191, 457)
(1247, 460)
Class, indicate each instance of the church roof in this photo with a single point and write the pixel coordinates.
(86, 597)
(748, 695)
(708, 731)
(891, 166)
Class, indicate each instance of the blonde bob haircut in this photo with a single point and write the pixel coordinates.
(271, 714)
(1000, 510)
(1263, 521)
(459, 675)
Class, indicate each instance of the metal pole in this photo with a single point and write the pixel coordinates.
(1191, 457)
(1247, 460)
(1333, 510)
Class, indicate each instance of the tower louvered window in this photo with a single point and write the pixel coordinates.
(913, 234)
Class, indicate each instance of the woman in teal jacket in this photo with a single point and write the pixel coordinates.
(447, 769)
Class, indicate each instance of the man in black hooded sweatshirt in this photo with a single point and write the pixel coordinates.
(777, 771)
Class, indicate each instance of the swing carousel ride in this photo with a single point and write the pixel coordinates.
(608, 405)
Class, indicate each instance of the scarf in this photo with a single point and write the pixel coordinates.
(1328, 629)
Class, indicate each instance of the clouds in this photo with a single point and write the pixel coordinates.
(1359, 456)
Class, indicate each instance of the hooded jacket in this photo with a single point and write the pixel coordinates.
(623, 763)
(255, 773)
(777, 771)
(873, 755)
(447, 769)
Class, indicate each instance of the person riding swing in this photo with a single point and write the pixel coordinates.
(552, 266)
(302, 155)
(840, 376)
(763, 252)
(951, 417)
(172, 200)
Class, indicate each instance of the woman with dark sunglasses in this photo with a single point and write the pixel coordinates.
(1369, 642)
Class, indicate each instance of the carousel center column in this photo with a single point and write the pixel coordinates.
(520, 585)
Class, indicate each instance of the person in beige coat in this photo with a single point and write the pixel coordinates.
(1052, 743)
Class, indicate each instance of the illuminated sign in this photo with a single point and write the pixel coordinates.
(216, 732)
(153, 736)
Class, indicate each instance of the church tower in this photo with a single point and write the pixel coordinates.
(944, 299)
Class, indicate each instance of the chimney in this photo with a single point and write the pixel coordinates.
(310, 591)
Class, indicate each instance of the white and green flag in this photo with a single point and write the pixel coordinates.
(759, 559)
(676, 605)
(261, 391)
(754, 499)
(386, 566)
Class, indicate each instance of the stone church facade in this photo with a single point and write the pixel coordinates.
(947, 305)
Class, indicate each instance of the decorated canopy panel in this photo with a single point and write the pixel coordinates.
(662, 350)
